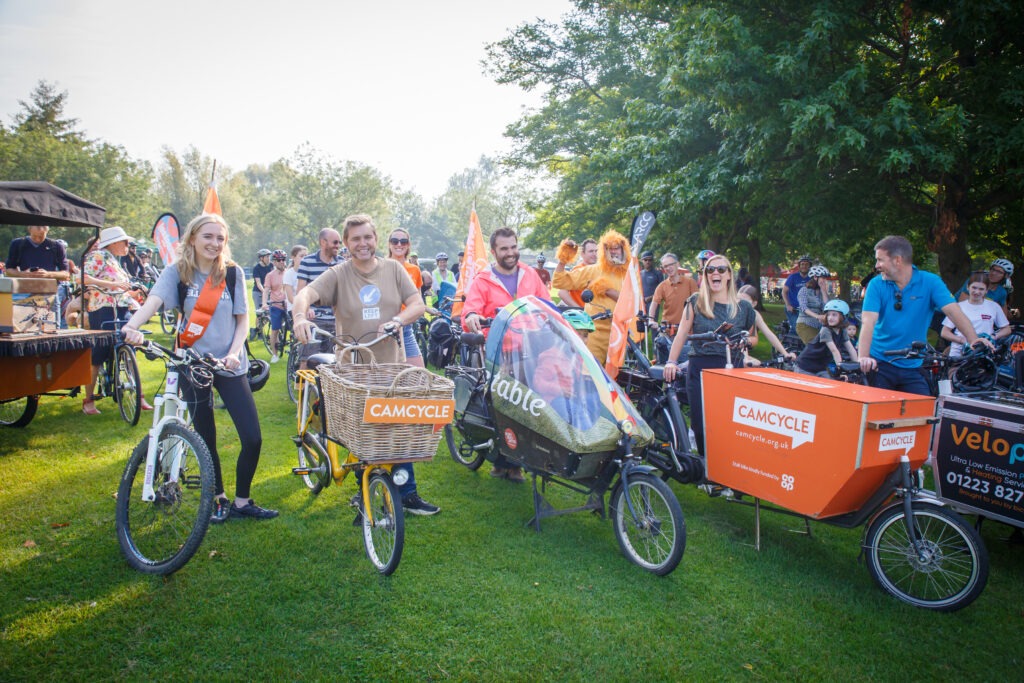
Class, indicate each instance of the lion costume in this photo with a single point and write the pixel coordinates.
(598, 278)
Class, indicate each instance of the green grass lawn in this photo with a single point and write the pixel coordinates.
(478, 595)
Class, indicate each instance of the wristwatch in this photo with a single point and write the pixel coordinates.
(398, 320)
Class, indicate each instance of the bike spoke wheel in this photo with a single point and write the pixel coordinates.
(384, 536)
(127, 387)
(311, 451)
(160, 536)
(650, 528)
(945, 573)
(293, 369)
(18, 412)
(168, 320)
(461, 450)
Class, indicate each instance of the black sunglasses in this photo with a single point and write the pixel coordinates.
(399, 240)
(899, 301)
(717, 269)
(280, 259)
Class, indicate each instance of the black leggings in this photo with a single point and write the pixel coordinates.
(237, 397)
(693, 393)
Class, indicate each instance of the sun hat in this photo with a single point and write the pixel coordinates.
(110, 235)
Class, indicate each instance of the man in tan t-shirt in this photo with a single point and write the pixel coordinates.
(367, 294)
(671, 293)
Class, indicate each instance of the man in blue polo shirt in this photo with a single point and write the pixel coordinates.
(897, 310)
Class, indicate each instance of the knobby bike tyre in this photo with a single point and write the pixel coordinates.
(950, 573)
(18, 412)
(292, 370)
(461, 450)
(311, 451)
(656, 538)
(127, 385)
(384, 537)
(160, 536)
(263, 331)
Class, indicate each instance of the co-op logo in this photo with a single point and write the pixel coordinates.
(797, 425)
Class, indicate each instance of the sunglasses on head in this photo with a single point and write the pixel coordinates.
(399, 240)
(717, 269)
(899, 301)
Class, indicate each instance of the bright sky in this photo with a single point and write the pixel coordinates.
(396, 84)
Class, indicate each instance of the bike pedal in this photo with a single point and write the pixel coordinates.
(302, 471)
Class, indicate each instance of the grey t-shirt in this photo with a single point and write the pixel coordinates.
(217, 339)
(743, 320)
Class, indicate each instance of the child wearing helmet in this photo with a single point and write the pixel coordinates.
(811, 299)
(580, 321)
(825, 347)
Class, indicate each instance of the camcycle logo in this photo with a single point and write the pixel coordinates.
(898, 441)
(797, 425)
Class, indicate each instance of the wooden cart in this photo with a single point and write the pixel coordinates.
(44, 362)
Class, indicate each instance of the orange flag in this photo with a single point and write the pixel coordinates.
(473, 261)
(631, 300)
(212, 203)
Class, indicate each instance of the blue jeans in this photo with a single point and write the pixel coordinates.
(408, 487)
(791, 316)
(889, 376)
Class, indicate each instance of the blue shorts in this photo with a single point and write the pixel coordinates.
(412, 349)
(277, 315)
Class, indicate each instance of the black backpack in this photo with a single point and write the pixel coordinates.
(441, 343)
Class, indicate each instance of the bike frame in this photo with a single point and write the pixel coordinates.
(167, 407)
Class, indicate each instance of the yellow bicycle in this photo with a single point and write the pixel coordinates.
(324, 457)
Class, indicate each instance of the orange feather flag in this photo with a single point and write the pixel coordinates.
(631, 300)
(473, 261)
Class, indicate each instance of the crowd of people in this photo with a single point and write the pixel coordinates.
(346, 286)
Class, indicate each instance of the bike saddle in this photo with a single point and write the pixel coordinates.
(318, 359)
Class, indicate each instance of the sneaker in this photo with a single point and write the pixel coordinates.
(253, 510)
(221, 510)
(415, 505)
(275, 358)
(515, 474)
(499, 472)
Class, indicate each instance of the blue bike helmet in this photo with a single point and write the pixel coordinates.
(579, 320)
(837, 305)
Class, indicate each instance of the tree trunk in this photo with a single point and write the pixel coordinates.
(754, 268)
(948, 235)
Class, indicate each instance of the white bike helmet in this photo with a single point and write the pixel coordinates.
(1004, 264)
(818, 271)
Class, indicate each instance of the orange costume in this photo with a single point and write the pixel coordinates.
(599, 278)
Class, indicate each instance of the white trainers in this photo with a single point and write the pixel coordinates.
(275, 358)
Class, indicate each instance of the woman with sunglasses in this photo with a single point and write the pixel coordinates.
(714, 304)
(399, 246)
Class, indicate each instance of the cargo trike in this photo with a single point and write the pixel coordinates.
(840, 453)
(540, 401)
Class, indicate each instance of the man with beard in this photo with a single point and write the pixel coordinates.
(501, 282)
(494, 287)
(604, 279)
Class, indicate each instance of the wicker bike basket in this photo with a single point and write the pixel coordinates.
(347, 386)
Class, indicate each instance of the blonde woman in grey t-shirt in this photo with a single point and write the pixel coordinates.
(204, 256)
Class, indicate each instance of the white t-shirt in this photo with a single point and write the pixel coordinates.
(986, 317)
(291, 277)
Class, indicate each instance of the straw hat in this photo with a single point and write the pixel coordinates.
(110, 235)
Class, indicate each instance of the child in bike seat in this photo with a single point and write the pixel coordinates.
(825, 347)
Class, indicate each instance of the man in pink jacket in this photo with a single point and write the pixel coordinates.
(493, 287)
(501, 282)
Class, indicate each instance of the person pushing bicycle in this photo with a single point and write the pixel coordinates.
(367, 294)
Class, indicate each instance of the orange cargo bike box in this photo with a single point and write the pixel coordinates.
(815, 446)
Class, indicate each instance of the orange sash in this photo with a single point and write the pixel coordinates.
(202, 312)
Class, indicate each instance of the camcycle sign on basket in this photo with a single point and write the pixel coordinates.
(411, 411)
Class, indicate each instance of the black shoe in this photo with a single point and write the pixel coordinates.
(252, 510)
(415, 505)
(221, 510)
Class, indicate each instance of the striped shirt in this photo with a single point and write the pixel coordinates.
(310, 268)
